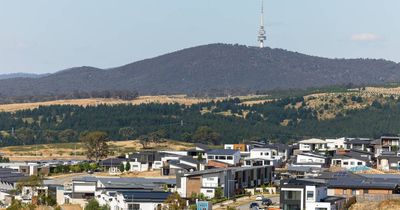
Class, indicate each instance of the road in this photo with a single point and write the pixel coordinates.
(245, 206)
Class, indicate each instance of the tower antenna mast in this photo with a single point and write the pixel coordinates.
(261, 32)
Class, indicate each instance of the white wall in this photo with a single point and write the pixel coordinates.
(261, 153)
(309, 159)
(208, 192)
(335, 143)
(350, 163)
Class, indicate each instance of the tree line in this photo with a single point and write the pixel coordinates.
(215, 122)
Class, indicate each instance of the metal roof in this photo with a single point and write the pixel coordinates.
(144, 196)
(222, 152)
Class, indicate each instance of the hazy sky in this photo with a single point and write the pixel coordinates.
(51, 35)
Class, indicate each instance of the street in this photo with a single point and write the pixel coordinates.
(245, 204)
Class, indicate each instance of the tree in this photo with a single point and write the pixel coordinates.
(94, 205)
(144, 141)
(127, 132)
(25, 135)
(49, 135)
(218, 193)
(157, 135)
(206, 135)
(128, 166)
(96, 145)
(121, 168)
(174, 202)
(67, 135)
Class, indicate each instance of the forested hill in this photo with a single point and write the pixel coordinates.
(210, 70)
(211, 123)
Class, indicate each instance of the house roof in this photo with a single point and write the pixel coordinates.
(313, 141)
(202, 146)
(354, 181)
(358, 141)
(222, 152)
(189, 159)
(145, 196)
(297, 183)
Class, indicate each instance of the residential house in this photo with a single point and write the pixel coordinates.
(311, 159)
(86, 188)
(347, 184)
(312, 145)
(232, 180)
(334, 144)
(262, 157)
(226, 156)
(351, 158)
(133, 199)
(240, 147)
(386, 144)
(388, 161)
(362, 144)
(198, 150)
(306, 195)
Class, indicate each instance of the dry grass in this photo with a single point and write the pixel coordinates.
(383, 205)
(181, 99)
(76, 151)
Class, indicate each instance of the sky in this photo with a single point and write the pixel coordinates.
(42, 36)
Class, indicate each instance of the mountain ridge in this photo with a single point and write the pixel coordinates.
(212, 69)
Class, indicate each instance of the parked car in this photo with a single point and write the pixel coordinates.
(259, 197)
(266, 202)
(254, 205)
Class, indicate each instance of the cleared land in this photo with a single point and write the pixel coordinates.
(69, 151)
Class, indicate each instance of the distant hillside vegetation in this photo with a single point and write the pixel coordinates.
(210, 70)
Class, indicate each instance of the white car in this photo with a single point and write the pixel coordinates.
(259, 198)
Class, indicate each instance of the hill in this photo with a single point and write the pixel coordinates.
(211, 69)
(21, 75)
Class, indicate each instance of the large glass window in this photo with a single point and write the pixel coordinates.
(292, 195)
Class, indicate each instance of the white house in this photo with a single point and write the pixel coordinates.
(138, 200)
(352, 158)
(334, 144)
(305, 195)
(310, 159)
(228, 156)
(262, 157)
(311, 145)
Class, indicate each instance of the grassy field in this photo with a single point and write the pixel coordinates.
(77, 151)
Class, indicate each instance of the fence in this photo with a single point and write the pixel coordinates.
(380, 197)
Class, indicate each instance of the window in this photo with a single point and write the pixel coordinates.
(267, 153)
(352, 163)
(210, 179)
(221, 157)
(359, 163)
(365, 191)
(133, 206)
(345, 163)
(229, 157)
(292, 195)
(210, 157)
(261, 153)
(310, 195)
(209, 191)
(353, 192)
(248, 162)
